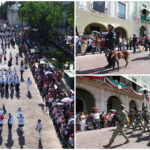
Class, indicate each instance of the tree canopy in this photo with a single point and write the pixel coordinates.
(47, 17)
(3, 9)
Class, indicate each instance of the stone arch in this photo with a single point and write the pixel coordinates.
(121, 31)
(113, 102)
(84, 98)
(95, 26)
(143, 31)
(133, 105)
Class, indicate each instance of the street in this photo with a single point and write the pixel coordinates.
(33, 110)
(95, 64)
(97, 138)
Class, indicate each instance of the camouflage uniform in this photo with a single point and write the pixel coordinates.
(138, 120)
(122, 118)
(132, 119)
(146, 118)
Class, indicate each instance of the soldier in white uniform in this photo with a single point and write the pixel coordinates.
(39, 128)
(20, 122)
(19, 112)
(28, 82)
(10, 122)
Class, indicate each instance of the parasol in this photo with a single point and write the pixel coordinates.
(67, 100)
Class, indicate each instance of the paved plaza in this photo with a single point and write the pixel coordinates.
(95, 64)
(95, 139)
(32, 110)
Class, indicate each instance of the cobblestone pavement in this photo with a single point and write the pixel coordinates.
(95, 64)
(32, 110)
(97, 138)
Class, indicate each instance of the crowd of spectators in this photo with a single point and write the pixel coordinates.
(98, 43)
(95, 120)
(67, 44)
(48, 78)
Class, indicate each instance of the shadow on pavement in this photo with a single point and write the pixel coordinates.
(1, 139)
(116, 146)
(135, 135)
(145, 138)
(102, 70)
(40, 145)
(21, 139)
(141, 58)
(10, 142)
(29, 95)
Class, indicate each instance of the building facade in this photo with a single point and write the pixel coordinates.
(96, 15)
(100, 93)
(13, 16)
(141, 28)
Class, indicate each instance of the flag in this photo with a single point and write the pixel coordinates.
(4, 109)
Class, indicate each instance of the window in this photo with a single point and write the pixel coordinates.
(99, 6)
(121, 10)
(134, 86)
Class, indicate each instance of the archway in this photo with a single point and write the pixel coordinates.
(132, 105)
(80, 105)
(96, 27)
(84, 101)
(121, 31)
(143, 31)
(113, 103)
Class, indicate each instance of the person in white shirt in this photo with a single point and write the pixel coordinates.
(19, 112)
(10, 122)
(39, 128)
(20, 122)
(21, 70)
(96, 117)
(28, 82)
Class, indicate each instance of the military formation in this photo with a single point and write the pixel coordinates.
(135, 120)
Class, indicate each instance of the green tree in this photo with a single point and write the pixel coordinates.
(44, 16)
(3, 9)
(70, 16)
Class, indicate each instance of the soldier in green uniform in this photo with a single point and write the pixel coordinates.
(132, 118)
(138, 119)
(122, 119)
(146, 120)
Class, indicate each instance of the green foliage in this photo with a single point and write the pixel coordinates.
(3, 9)
(70, 16)
(60, 57)
(44, 16)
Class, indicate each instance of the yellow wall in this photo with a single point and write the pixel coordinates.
(84, 18)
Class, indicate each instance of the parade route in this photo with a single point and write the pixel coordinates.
(33, 110)
(95, 139)
(95, 64)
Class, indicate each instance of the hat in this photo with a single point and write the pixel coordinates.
(121, 106)
(71, 135)
(109, 25)
(63, 121)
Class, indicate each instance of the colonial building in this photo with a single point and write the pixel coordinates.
(96, 15)
(12, 15)
(108, 92)
(141, 18)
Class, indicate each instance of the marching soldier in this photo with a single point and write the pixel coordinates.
(146, 120)
(132, 119)
(122, 119)
(138, 119)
